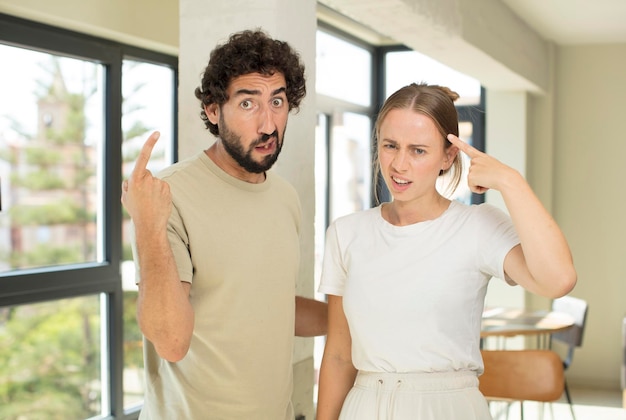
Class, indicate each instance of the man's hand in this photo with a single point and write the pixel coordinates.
(146, 198)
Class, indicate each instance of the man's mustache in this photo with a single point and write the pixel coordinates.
(266, 137)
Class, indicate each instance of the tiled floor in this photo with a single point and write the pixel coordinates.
(588, 405)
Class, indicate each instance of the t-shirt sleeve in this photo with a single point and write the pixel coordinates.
(498, 237)
(333, 277)
(179, 241)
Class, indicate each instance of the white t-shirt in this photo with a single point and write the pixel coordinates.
(414, 295)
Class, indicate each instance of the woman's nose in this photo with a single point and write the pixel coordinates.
(399, 160)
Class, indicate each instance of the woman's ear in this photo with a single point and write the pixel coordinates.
(451, 153)
(212, 113)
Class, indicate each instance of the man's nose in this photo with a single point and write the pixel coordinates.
(266, 121)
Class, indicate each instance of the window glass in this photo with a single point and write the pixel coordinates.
(405, 67)
(350, 159)
(51, 355)
(343, 70)
(147, 106)
(51, 135)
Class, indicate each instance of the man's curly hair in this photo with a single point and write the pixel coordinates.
(249, 52)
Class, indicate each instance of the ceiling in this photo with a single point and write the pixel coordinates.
(564, 22)
(569, 22)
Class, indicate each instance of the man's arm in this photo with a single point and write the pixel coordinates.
(164, 312)
(311, 317)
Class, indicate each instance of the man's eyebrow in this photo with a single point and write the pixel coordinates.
(247, 92)
(258, 92)
(279, 90)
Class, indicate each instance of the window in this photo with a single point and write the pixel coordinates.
(148, 105)
(50, 144)
(73, 114)
(343, 69)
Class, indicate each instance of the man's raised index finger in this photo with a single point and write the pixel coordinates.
(144, 155)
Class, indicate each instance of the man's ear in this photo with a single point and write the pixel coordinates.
(212, 113)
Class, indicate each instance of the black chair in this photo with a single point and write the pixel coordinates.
(571, 338)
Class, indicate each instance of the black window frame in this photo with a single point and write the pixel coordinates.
(53, 283)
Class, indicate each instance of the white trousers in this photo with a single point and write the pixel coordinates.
(415, 396)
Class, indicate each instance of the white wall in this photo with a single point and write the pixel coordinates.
(144, 23)
(590, 197)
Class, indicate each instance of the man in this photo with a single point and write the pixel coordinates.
(217, 248)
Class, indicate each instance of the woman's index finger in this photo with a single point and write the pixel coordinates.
(466, 148)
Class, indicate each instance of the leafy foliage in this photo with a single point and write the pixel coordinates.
(56, 372)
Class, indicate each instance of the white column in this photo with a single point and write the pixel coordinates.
(506, 135)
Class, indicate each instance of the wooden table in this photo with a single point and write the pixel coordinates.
(508, 322)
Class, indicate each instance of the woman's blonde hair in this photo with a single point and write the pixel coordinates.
(437, 103)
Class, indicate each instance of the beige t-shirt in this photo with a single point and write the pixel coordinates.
(238, 244)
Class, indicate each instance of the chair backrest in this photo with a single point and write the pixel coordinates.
(522, 375)
(577, 308)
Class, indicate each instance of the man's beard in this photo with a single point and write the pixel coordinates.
(232, 145)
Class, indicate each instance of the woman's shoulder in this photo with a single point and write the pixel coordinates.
(357, 218)
(476, 214)
(478, 209)
(484, 214)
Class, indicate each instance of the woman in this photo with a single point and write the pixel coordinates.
(406, 280)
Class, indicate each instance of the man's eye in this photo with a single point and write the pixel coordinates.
(246, 104)
(278, 102)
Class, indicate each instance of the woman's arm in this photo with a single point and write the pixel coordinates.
(337, 373)
(542, 263)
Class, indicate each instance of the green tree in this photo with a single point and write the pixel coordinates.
(60, 339)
